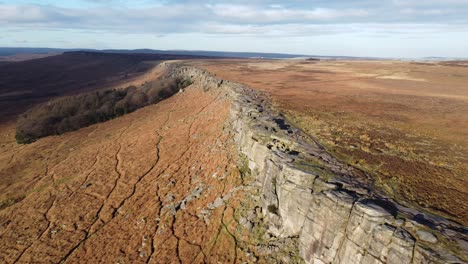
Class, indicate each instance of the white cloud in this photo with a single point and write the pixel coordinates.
(351, 27)
(178, 17)
(427, 12)
(279, 14)
(283, 30)
(22, 13)
(429, 2)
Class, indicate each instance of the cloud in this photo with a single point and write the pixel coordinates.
(257, 18)
(22, 13)
(281, 31)
(428, 12)
(183, 17)
(299, 30)
(279, 14)
(99, 18)
(430, 2)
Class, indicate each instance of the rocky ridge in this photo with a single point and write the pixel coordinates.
(329, 208)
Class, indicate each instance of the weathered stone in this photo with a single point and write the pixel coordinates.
(294, 193)
(381, 238)
(423, 254)
(426, 236)
(217, 203)
(321, 185)
(400, 250)
(325, 226)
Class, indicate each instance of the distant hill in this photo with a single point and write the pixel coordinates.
(15, 51)
(26, 56)
(214, 53)
(227, 54)
(23, 54)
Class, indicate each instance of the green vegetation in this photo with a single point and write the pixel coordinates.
(10, 201)
(243, 165)
(74, 112)
(273, 209)
(184, 83)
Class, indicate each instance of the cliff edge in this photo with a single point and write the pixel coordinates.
(308, 195)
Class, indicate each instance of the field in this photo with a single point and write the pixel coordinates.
(404, 123)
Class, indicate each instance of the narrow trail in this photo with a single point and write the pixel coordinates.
(97, 218)
(184, 152)
(158, 220)
(47, 176)
(47, 219)
(91, 170)
(150, 170)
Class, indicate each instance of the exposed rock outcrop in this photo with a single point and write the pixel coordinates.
(330, 207)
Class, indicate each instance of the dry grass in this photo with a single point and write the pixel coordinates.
(112, 192)
(405, 123)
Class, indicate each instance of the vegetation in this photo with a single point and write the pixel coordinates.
(243, 165)
(74, 112)
(10, 201)
(273, 209)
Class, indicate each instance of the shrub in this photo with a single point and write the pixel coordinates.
(74, 112)
(23, 138)
(273, 209)
(184, 83)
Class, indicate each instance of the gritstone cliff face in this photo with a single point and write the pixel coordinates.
(308, 195)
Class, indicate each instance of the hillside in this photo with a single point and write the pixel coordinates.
(131, 187)
(23, 84)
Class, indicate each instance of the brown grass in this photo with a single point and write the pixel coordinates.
(405, 123)
(111, 192)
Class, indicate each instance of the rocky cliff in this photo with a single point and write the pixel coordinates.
(329, 207)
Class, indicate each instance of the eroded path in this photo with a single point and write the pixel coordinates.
(149, 187)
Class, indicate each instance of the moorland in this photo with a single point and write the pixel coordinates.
(404, 123)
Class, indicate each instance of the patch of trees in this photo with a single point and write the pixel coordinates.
(74, 112)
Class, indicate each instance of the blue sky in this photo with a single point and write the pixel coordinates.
(386, 28)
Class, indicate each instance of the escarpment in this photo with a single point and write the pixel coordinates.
(330, 208)
(212, 174)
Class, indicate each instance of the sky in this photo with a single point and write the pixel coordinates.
(372, 28)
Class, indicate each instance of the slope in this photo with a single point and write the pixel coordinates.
(129, 189)
(27, 83)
